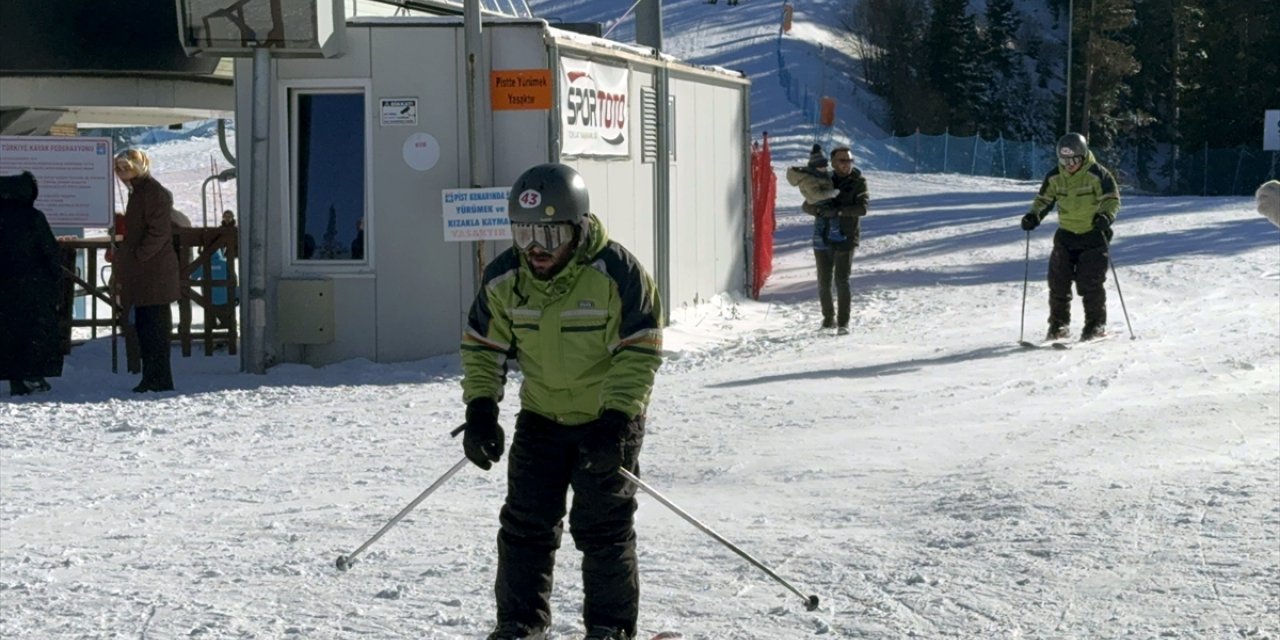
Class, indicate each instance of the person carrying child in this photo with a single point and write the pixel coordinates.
(837, 201)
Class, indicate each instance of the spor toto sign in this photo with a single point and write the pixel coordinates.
(594, 103)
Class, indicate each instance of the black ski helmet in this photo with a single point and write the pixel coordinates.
(1072, 145)
(549, 192)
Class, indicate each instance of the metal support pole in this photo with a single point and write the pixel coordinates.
(254, 355)
(810, 601)
(1071, 21)
(480, 172)
(649, 24)
(662, 189)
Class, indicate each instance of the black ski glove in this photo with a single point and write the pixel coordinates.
(612, 441)
(1101, 222)
(483, 440)
(1030, 221)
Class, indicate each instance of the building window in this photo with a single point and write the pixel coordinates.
(328, 167)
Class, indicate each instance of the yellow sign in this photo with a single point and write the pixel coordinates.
(520, 89)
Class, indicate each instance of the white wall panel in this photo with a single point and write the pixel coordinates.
(418, 272)
(708, 181)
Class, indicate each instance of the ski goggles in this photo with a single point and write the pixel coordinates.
(547, 236)
(1070, 161)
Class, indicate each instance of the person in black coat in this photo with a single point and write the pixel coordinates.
(29, 276)
(833, 252)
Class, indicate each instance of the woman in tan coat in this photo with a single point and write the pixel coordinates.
(148, 267)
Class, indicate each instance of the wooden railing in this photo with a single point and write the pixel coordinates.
(75, 285)
(198, 284)
(215, 294)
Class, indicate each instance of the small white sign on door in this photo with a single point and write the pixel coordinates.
(399, 111)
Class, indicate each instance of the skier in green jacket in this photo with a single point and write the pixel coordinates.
(584, 321)
(1088, 201)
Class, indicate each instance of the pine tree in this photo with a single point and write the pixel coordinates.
(1108, 63)
(1007, 98)
(888, 34)
(1233, 76)
(1162, 46)
(951, 54)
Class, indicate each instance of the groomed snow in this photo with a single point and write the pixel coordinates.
(923, 476)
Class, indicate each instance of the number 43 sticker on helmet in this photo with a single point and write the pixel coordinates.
(530, 198)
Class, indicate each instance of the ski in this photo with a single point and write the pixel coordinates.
(668, 635)
(1064, 346)
(1026, 344)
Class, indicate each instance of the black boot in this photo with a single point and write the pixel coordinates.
(1058, 332)
(1093, 331)
(18, 388)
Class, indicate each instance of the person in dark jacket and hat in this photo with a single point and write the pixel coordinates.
(30, 348)
(148, 267)
(833, 252)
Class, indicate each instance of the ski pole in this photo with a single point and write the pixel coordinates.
(810, 602)
(1118, 291)
(1026, 275)
(344, 562)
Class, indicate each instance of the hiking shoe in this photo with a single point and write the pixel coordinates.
(515, 631)
(1058, 332)
(608, 633)
(1093, 331)
(828, 323)
(842, 331)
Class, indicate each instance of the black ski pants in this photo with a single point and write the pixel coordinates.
(834, 267)
(154, 323)
(1081, 258)
(541, 466)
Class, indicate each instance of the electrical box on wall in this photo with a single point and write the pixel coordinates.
(304, 311)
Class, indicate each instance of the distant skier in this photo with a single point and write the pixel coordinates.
(1268, 197)
(837, 231)
(583, 320)
(1088, 201)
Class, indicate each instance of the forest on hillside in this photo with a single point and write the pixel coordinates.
(1158, 79)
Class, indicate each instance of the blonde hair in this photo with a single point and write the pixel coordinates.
(136, 160)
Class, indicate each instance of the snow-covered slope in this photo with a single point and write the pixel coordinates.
(924, 476)
(815, 56)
